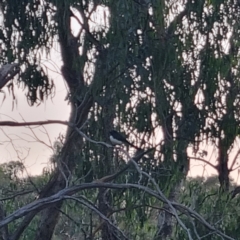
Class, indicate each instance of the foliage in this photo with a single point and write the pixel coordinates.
(17, 190)
(26, 29)
(166, 73)
(217, 208)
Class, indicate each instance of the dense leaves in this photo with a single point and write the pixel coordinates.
(27, 28)
(164, 72)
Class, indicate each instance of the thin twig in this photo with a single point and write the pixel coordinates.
(91, 206)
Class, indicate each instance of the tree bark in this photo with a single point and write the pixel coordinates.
(81, 102)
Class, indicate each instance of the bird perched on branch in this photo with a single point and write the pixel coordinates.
(117, 138)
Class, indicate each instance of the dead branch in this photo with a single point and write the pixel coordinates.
(61, 195)
(22, 124)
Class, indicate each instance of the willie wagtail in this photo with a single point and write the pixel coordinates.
(118, 139)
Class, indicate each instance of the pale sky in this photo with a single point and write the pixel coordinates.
(34, 154)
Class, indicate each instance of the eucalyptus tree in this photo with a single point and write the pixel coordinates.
(165, 72)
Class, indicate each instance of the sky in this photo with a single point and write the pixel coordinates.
(21, 143)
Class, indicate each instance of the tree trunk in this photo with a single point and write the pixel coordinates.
(81, 104)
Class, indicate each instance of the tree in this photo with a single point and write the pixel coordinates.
(146, 65)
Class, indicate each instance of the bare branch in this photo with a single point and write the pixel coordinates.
(61, 195)
(174, 212)
(17, 194)
(133, 160)
(91, 206)
(85, 26)
(90, 140)
(234, 161)
(205, 161)
(22, 124)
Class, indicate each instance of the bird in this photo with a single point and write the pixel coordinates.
(117, 138)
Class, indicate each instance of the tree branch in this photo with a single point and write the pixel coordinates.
(16, 194)
(91, 206)
(20, 124)
(61, 195)
(234, 161)
(136, 158)
(205, 161)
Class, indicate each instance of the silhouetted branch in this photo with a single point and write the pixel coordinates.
(22, 124)
(205, 161)
(234, 161)
(17, 194)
